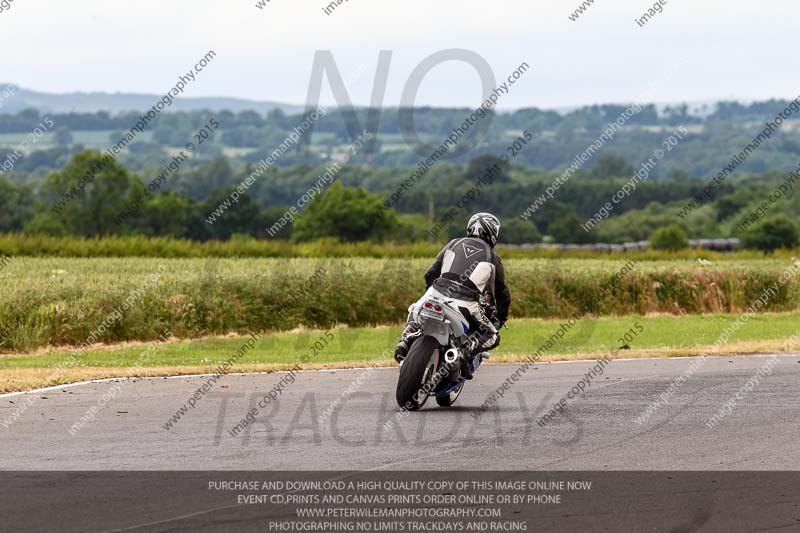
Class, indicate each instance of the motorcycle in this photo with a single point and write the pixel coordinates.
(433, 364)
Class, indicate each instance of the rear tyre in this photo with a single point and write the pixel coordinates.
(450, 398)
(416, 373)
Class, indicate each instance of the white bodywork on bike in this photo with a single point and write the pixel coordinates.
(439, 317)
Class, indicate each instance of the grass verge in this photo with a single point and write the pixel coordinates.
(656, 336)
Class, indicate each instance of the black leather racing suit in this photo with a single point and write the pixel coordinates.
(467, 268)
(464, 270)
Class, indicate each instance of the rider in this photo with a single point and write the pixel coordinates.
(465, 270)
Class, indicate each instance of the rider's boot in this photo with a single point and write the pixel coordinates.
(472, 347)
(477, 344)
(404, 344)
(466, 373)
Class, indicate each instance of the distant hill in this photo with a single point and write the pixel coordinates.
(119, 102)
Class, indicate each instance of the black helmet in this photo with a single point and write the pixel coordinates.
(484, 225)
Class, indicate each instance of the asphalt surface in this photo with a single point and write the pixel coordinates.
(597, 431)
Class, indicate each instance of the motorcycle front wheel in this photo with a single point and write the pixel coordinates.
(450, 398)
(416, 373)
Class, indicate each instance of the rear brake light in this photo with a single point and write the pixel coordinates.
(428, 305)
(437, 308)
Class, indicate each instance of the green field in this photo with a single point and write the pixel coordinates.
(356, 347)
(91, 139)
(57, 301)
(523, 337)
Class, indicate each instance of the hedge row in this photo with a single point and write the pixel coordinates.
(67, 301)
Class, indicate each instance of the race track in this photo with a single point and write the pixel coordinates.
(598, 430)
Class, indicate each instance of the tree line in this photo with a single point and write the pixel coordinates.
(346, 208)
(247, 136)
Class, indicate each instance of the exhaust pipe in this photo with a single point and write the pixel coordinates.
(451, 356)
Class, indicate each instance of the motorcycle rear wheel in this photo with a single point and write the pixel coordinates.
(416, 372)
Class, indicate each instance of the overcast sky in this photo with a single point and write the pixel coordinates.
(730, 49)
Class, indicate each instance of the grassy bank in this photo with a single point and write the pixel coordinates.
(67, 301)
(589, 338)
